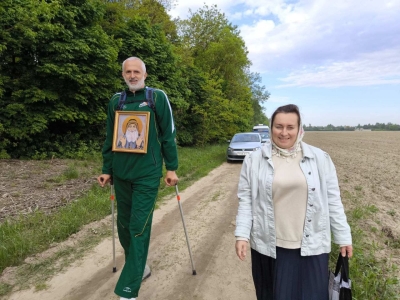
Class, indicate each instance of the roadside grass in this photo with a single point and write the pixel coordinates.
(28, 235)
(372, 277)
(194, 163)
(38, 271)
(31, 234)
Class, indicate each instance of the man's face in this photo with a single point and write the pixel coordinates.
(134, 74)
(131, 127)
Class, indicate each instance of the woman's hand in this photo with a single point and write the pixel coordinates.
(348, 250)
(241, 249)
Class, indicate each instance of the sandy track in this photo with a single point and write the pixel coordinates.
(209, 207)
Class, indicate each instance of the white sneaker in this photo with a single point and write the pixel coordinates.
(146, 273)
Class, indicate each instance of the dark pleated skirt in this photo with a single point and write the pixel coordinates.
(290, 276)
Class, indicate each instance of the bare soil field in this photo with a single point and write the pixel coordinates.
(28, 185)
(368, 167)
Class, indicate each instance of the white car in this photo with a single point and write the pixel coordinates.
(242, 144)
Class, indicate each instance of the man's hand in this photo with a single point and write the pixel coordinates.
(139, 142)
(122, 140)
(171, 179)
(103, 179)
(241, 249)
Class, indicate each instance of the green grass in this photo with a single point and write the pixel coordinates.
(372, 278)
(195, 163)
(27, 235)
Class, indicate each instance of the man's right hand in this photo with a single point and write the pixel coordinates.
(103, 179)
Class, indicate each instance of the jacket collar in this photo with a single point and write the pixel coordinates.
(266, 150)
(128, 91)
(307, 150)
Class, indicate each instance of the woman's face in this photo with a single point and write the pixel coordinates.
(285, 129)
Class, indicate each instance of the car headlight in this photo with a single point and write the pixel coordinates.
(230, 149)
(255, 149)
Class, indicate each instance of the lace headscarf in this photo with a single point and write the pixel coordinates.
(292, 151)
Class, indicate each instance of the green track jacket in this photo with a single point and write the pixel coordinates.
(161, 140)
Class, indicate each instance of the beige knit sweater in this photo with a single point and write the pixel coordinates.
(289, 194)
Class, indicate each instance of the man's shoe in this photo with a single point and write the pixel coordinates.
(146, 273)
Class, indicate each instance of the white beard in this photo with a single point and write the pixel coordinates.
(131, 136)
(134, 87)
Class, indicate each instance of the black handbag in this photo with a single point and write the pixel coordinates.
(339, 281)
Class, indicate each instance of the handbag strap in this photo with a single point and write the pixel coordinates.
(342, 266)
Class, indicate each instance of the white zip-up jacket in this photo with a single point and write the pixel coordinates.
(324, 214)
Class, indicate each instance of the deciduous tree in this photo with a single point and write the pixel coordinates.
(57, 69)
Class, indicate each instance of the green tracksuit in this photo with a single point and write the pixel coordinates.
(136, 180)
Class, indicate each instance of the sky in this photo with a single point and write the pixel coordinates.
(339, 61)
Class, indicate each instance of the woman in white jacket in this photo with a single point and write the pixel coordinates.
(289, 204)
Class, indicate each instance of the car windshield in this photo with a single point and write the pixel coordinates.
(240, 138)
(264, 135)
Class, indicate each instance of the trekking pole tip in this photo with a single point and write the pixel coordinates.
(114, 269)
(194, 272)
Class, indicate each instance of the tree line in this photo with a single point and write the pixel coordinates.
(60, 63)
(377, 127)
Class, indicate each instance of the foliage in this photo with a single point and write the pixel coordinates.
(154, 11)
(150, 44)
(3, 143)
(60, 62)
(259, 97)
(57, 68)
(377, 127)
(221, 102)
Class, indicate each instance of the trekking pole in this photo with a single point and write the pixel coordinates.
(112, 198)
(184, 228)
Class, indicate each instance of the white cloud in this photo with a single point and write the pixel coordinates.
(381, 67)
(340, 37)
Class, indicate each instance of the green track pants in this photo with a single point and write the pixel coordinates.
(135, 206)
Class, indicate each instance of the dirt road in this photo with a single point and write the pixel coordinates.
(210, 208)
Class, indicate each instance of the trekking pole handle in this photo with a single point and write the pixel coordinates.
(177, 193)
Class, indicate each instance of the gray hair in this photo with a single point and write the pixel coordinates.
(134, 58)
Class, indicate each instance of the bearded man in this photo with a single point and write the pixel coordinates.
(131, 138)
(137, 176)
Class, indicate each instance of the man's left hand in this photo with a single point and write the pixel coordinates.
(171, 179)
